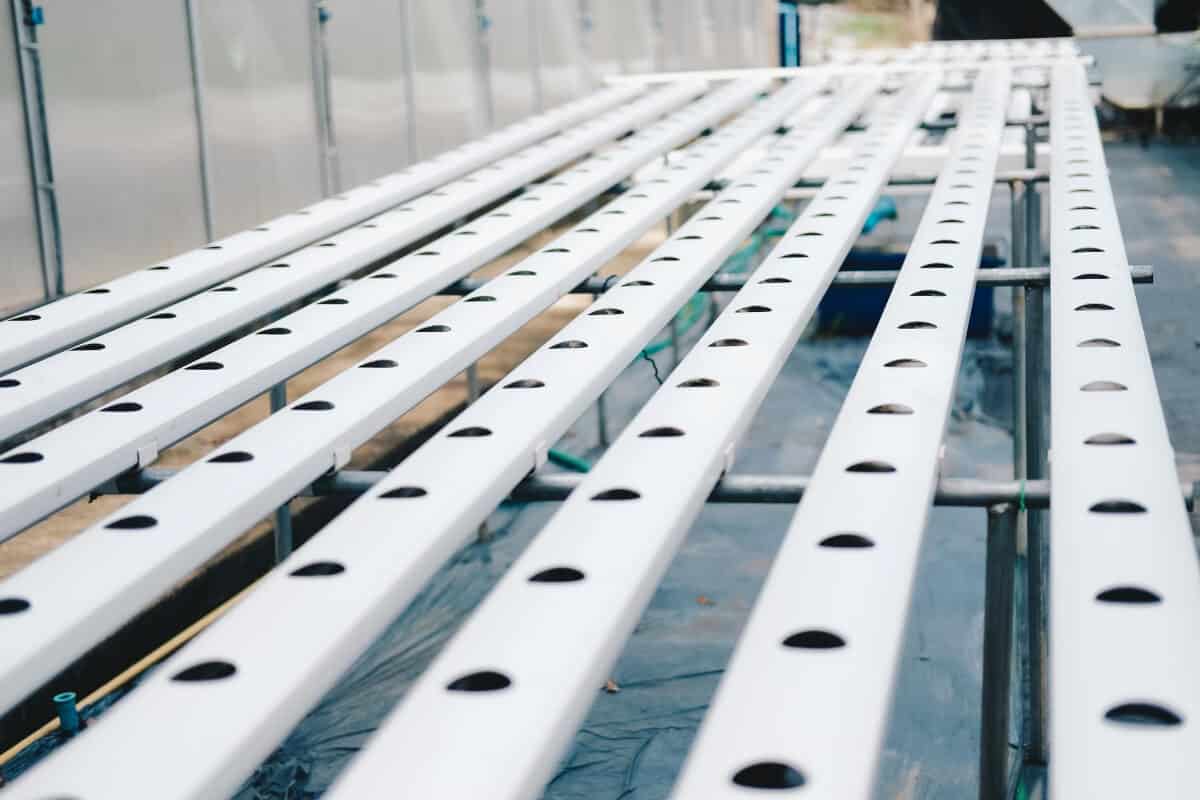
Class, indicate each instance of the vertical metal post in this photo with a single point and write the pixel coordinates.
(330, 172)
(26, 18)
(1035, 538)
(601, 411)
(410, 87)
(674, 342)
(483, 25)
(1018, 333)
(535, 54)
(473, 393)
(196, 57)
(283, 514)
(1035, 468)
(473, 390)
(660, 39)
(586, 70)
(674, 326)
(997, 651)
(602, 420)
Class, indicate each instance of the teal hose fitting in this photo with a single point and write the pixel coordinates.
(68, 712)
(568, 461)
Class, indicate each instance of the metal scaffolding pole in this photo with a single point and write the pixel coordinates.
(553, 487)
(994, 751)
(1035, 457)
(1000, 276)
(805, 700)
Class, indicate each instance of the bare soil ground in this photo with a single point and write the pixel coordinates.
(67, 523)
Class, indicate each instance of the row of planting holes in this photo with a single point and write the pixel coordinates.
(262, 228)
(529, 197)
(1084, 211)
(14, 605)
(213, 670)
(759, 775)
(94, 346)
(769, 775)
(486, 680)
(102, 290)
(475, 682)
(27, 457)
(479, 681)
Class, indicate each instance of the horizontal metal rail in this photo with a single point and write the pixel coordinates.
(1125, 584)
(804, 702)
(1025, 62)
(55, 384)
(545, 638)
(272, 461)
(461, 479)
(50, 471)
(731, 488)
(806, 697)
(978, 49)
(1000, 276)
(1026, 175)
(62, 323)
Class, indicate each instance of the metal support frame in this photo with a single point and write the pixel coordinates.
(1017, 250)
(329, 161)
(1022, 277)
(1035, 466)
(553, 487)
(602, 437)
(200, 108)
(482, 57)
(807, 189)
(994, 752)
(536, 56)
(1038, 64)
(27, 337)
(37, 144)
(283, 514)
(408, 51)
(995, 762)
(1125, 598)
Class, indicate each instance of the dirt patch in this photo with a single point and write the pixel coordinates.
(68, 522)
